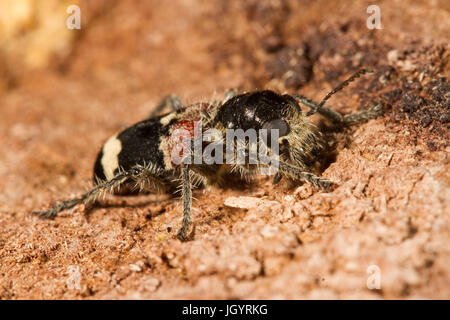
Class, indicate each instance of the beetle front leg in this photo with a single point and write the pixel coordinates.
(298, 174)
(338, 118)
(359, 117)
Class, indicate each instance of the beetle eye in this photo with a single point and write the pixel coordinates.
(278, 124)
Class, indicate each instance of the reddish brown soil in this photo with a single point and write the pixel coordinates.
(390, 207)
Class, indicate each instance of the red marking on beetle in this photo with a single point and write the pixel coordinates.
(187, 125)
(182, 133)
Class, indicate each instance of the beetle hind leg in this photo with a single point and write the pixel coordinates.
(147, 177)
(88, 197)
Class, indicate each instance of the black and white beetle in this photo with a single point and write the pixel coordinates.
(141, 154)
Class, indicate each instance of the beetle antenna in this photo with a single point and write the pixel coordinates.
(339, 88)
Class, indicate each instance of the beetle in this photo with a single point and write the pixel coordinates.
(142, 155)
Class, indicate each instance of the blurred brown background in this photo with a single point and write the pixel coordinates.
(63, 92)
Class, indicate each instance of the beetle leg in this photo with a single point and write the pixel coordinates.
(187, 204)
(171, 100)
